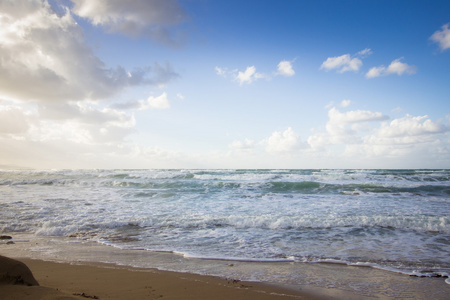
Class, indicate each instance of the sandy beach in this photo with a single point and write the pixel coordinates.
(51, 280)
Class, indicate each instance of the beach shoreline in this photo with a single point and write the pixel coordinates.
(105, 281)
(65, 259)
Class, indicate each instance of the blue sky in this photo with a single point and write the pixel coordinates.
(224, 84)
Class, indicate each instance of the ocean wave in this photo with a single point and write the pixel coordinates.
(353, 225)
(365, 216)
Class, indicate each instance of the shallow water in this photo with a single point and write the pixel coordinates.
(333, 280)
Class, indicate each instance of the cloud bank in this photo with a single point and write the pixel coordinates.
(359, 137)
(56, 94)
(47, 51)
(133, 18)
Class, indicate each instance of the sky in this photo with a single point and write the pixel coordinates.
(224, 84)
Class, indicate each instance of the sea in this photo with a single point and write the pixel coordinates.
(395, 220)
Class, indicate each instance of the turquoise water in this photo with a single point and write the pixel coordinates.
(397, 220)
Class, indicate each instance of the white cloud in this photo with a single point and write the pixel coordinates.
(278, 143)
(329, 105)
(345, 62)
(50, 84)
(159, 102)
(92, 137)
(44, 58)
(364, 136)
(354, 116)
(442, 37)
(342, 63)
(376, 72)
(410, 126)
(285, 68)
(287, 141)
(249, 75)
(358, 138)
(409, 137)
(364, 53)
(135, 17)
(396, 67)
(221, 71)
(50, 81)
(344, 128)
(84, 113)
(77, 122)
(345, 103)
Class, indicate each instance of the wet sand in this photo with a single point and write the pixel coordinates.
(68, 268)
(102, 281)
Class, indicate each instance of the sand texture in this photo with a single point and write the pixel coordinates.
(72, 267)
(66, 281)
